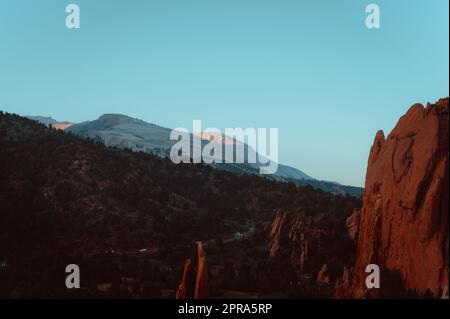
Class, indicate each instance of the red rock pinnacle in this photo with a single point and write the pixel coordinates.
(403, 224)
(194, 286)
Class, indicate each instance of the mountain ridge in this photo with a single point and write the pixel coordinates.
(123, 131)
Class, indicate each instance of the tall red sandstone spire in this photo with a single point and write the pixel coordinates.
(194, 285)
(404, 220)
(201, 282)
(186, 287)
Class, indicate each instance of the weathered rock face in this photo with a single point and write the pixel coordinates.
(323, 277)
(352, 224)
(287, 231)
(309, 242)
(194, 285)
(404, 220)
(343, 290)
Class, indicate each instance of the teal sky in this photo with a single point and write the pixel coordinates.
(310, 68)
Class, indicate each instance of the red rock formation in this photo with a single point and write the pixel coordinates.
(404, 219)
(323, 277)
(201, 282)
(186, 287)
(276, 231)
(343, 289)
(194, 285)
(288, 231)
(352, 223)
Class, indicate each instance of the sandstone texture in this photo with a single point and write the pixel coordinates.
(403, 225)
(288, 231)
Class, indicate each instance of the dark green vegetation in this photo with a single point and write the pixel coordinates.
(130, 219)
(333, 188)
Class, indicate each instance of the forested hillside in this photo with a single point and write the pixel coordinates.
(130, 219)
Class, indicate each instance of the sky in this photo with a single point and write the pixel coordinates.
(310, 68)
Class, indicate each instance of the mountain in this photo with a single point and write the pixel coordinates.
(291, 172)
(403, 224)
(51, 121)
(47, 120)
(130, 220)
(125, 132)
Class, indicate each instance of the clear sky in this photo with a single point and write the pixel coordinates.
(310, 68)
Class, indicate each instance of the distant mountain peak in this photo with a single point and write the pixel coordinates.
(43, 119)
(47, 120)
(115, 119)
